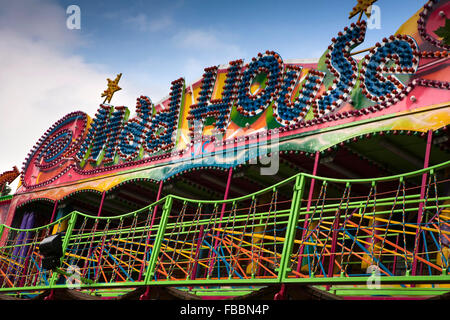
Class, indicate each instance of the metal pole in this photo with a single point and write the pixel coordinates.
(308, 206)
(227, 189)
(158, 196)
(421, 204)
(151, 270)
(146, 294)
(101, 204)
(290, 233)
(147, 241)
(313, 181)
(54, 211)
(94, 230)
(395, 256)
(335, 227)
(197, 252)
(333, 248)
(65, 244)
(225, 197)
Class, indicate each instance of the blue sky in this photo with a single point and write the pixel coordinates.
(49, 70)
(179, 38)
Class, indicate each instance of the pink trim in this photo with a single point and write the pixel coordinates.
(101, 204)
(54, 211)
(384, 298)
(215, 297)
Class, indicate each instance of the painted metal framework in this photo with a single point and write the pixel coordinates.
(306, 229)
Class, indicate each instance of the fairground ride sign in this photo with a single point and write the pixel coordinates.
(232, 102)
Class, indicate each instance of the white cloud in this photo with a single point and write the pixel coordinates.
(41, 80)
(193, 69)
(197, 39)
(143, 23)
(38, 21)
(204, 48)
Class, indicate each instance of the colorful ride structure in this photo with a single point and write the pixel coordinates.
(330, 177)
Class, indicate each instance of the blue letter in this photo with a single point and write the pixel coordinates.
(103, 135)
(343, 66)
(270, 64)
(218, 109)
(133, 134)
(161, 129)
(400, 51)
(287, 112)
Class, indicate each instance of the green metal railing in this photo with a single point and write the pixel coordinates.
(384, 230)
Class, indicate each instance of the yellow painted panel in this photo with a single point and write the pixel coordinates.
(218, 88)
